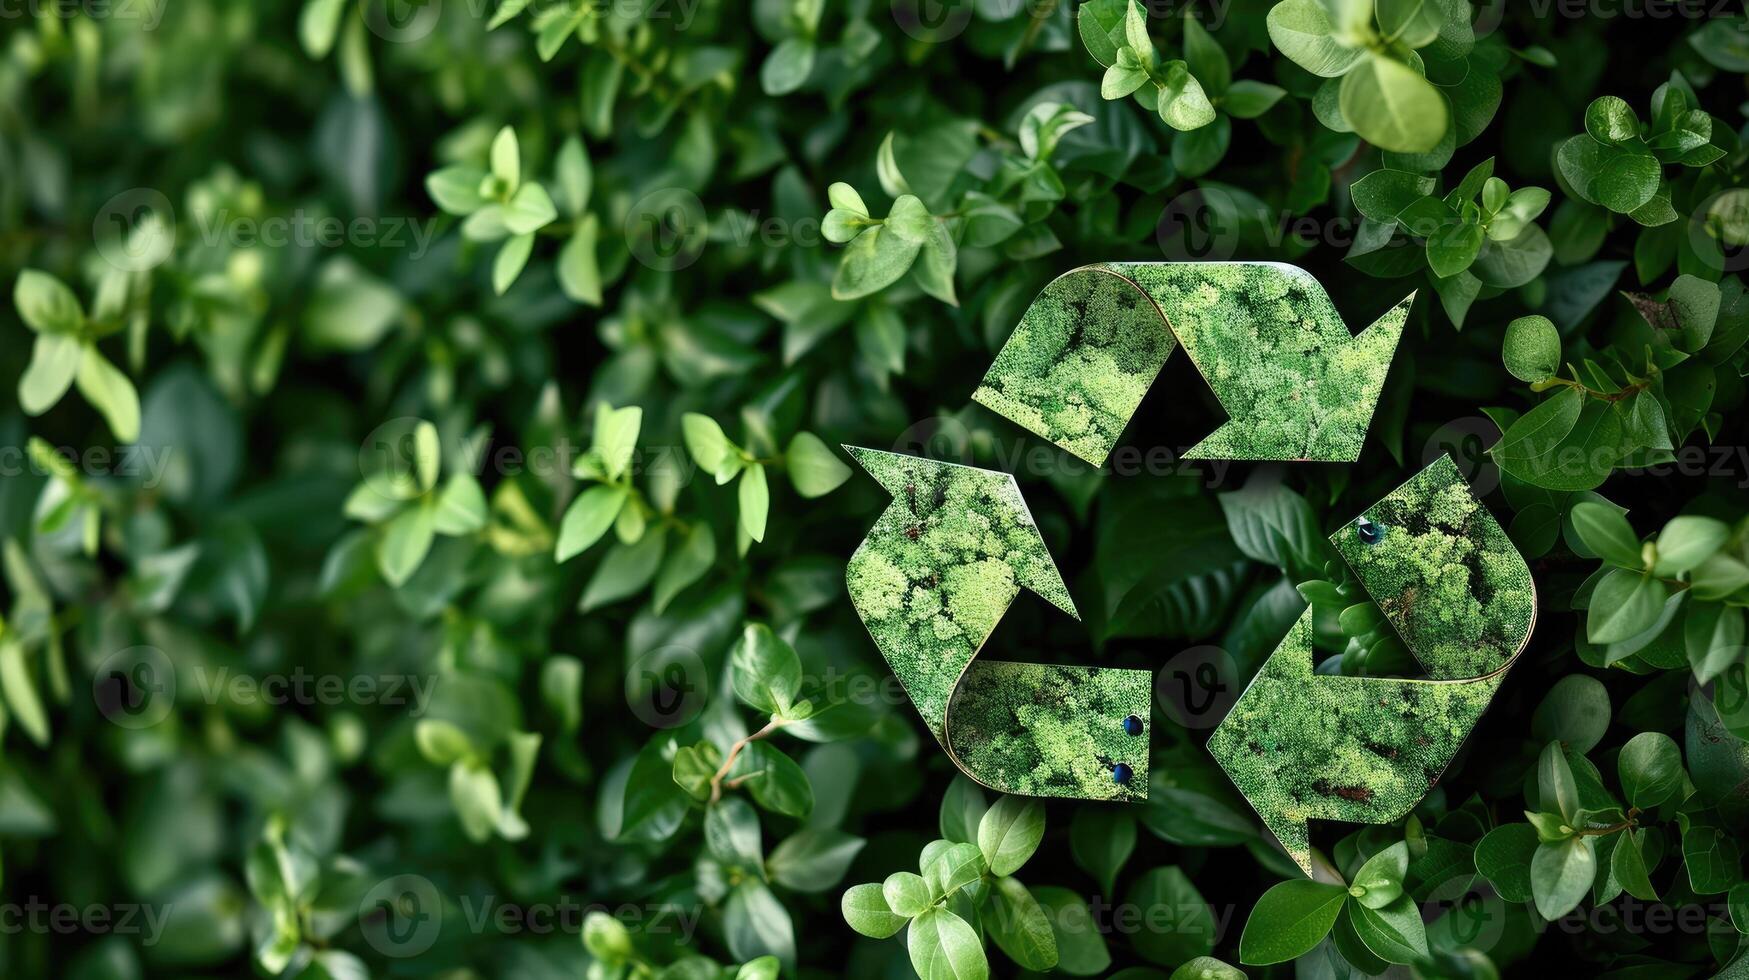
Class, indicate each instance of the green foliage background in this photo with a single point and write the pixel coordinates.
(498, 352)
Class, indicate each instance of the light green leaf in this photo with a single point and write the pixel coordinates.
(1392, 107)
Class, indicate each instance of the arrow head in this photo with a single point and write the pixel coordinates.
(1303, 746)
(1265, 336)
(1280, 359)
(964, 517)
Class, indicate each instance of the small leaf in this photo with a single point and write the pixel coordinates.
(1009, 832)
(1290, 919)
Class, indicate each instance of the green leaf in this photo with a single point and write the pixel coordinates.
(1187, 925)
(845, 198)
(575, 176)
(1453, 248)
(1205, 58)
(962, 809)
(874, 260)
(774, 780)
(1392, 107)
(1561, 875)
(731, 834)
(1532, 350)
(578, 268)
(319, 25)
(616, 437)
(1384, 194)
(865, 909)
(511, 258)
(1009, 832)
(906, 893)
(1393, 932)
(813, 859)
(1183, 104)
(705, 441)
(588, 518)
(1302, 30)
(788, 66)
(694, 768)
(1558, 791)
(478, 802)
(767, 674)
(1713, 639)
(1411, 23)
(506, 158)
(755, 501)
(944, 947)
(625, 569)
(111, 393)
(1207, 968)
(1624, 604)
(1607, 533)
(1379, 882)
(814, 469)
(405, 541)
(1247, 99)
(684, 565)
(1018, 924)
(1123, 77)
(456, 189)
(1687, 541)
(461, 507)
(1290, 919)
(1627, 865)
(1504, 856)
(953, 867)
(1101, 840)
(53, 360)
(20, 690)
(756, 924)
(1650, 767)
(531, 209)
(1574, 712)
(1611, 121)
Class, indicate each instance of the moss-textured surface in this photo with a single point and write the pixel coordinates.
(1302, 746)
(931, 580)
(1265, 336)
(1445, 574)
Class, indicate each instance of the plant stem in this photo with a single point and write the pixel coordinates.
(735, 750)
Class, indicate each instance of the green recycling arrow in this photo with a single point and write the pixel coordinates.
(931, 581)
(1302, 746)
(946, 559)
(1265, 336)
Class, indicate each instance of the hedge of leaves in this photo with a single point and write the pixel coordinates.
(424, 530)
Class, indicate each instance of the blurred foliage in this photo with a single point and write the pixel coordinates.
(424, 538)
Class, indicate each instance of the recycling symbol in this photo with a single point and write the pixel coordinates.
(945, 560)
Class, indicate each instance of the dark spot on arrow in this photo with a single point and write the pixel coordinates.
(1353, 794)
(1384, 750)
